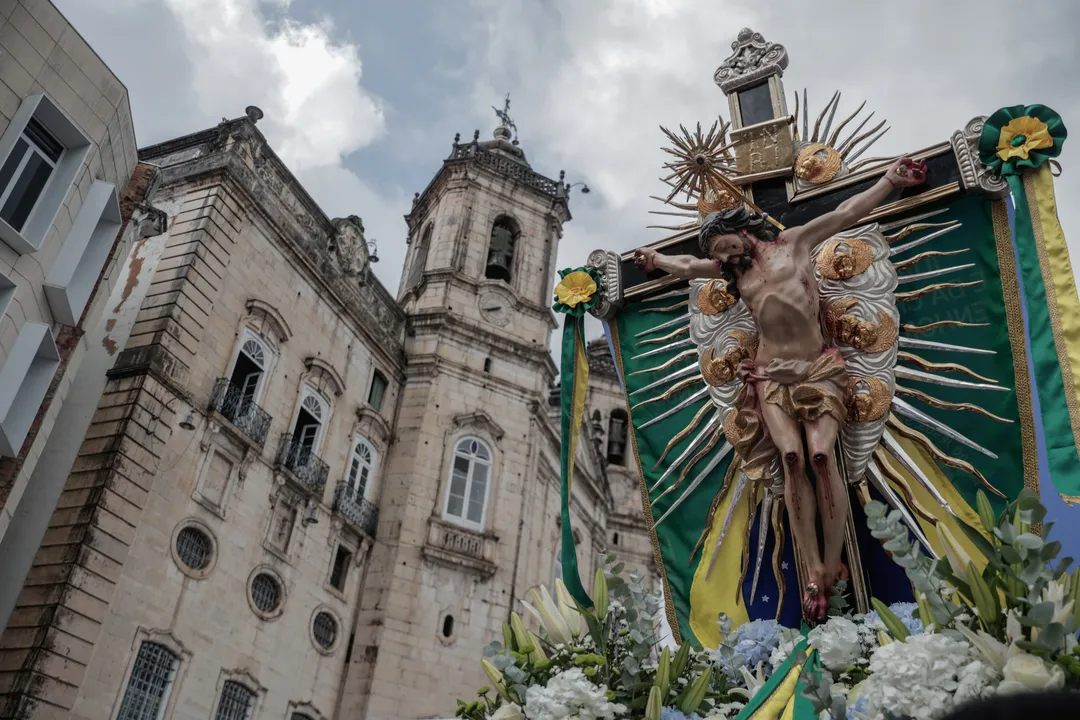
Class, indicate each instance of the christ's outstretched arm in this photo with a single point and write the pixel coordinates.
(905, 172)
(682, 266)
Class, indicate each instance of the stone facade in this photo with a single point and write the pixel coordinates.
(299, 493)
(63, 112)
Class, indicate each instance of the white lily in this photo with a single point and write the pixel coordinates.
(569, 610)
(1013, 629)
(753, 683)
(550, 616)
(1056, 593)
(958, 558)
(995, 652)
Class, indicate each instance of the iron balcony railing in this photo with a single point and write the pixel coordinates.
(307, 467)
(363, 515)
(233, 405)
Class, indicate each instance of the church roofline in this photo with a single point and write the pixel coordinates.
(489, 156)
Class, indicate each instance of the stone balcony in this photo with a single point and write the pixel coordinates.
(302, 466)
(357, 511)
(458, 547)
(229, 401)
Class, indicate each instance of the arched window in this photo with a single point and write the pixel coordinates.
(361, 470)
(250, 367)
(151, 681)
(310, 421)
(500, 259)
(466, 498)
(616, 439)
(419, 261)
(236, 702)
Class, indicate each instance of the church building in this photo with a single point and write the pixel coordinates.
(300, 496)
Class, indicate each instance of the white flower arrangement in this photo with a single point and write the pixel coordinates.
(973, 633)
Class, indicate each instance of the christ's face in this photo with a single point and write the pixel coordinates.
(729, 246)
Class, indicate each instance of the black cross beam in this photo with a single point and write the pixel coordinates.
(771, 196)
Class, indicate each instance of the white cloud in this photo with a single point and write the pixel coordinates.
(592, 82)
(233, 53)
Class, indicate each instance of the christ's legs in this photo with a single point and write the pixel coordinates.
(787, 436)
(832, 502)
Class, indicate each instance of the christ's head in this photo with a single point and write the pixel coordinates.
(727, 236)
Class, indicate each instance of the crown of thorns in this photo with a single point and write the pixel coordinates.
(724, 222)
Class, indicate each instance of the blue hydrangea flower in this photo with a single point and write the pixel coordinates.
(907, 614)
(669, 713)
(754, 642)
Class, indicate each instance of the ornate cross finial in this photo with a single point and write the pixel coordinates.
(752, 60)
(504, 115)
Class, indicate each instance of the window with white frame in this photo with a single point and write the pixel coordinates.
(361, 471)
(250, 367)
(236, 702)
(470, 471)
(151, 680)
(41, 152)
(310, 420)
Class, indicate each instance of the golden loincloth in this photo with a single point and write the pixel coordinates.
(805, 390)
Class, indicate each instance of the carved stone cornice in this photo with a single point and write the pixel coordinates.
(751, 61)
(236, 150)
(480, 420)
(459, 548)
(974, 176)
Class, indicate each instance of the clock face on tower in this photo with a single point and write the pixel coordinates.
(495, 307)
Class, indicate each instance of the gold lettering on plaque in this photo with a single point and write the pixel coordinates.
(764, 148)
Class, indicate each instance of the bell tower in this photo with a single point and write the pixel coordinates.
(472, 436)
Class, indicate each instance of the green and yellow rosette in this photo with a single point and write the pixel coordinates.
(578, 292)
(1019, 137)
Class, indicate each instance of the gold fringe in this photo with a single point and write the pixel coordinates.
(685, 432)
(934, 452)
(646, 506)
(945, 405)
(916, 329)
(1010, 290)
(921, 292)
(928, 366)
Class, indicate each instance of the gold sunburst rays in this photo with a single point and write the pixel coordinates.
(937, 454)
(669, 308)
(946, 405)
(913, 261)
(916, 329)
(710, 445)
(923, 292)
(917, 227)
(685, 329)
(892, 474)
(684, 355)
(928, 366)
(684, 433)
(701, 159)
(670, 392)
(852, 146)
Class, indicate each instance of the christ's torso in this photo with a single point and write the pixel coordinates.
(780, 291)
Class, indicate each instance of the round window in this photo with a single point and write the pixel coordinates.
(194, 548)
(266, 593)
(325, 629)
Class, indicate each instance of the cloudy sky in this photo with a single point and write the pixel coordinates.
(362, 98)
